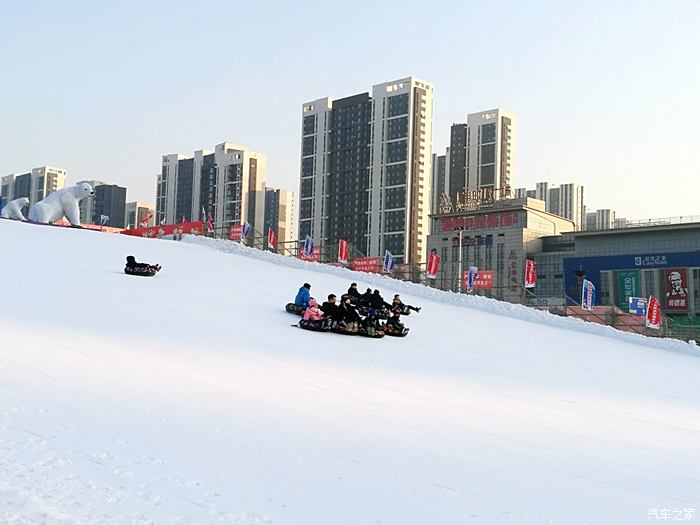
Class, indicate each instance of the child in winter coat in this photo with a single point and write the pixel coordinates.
(397, 303)
(394, 322)
(313, 312)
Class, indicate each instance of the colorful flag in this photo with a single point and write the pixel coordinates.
(653, 319)
(210, 224)
(530, 274)
(587, 295)
(235, 232)
(433, 265)
(638, 305)
(308, 246)
(245, 232)
(271, 238)
(343, 251)
(104, 219)
(204, 214)
(388, 262)
(470, 276)
(144, 222)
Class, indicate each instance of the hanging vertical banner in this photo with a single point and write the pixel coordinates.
(210, 224)
(653, 319)
(343, 251)
(587, 295)
(469, 277)
(530, 274)
(308, 246)
(271, 238)
(388, 262)
(628, 286)
(676, 287)
(433, 265)
(245, 232)
(637, 305)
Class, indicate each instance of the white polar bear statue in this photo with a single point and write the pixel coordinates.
(13, 209)
(60, 203)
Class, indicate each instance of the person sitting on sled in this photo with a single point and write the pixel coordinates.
(350, 314)
(397, 303)
(372, 320)
(332, 311)
(303, 295)
(354, 293)
(131, 263)
(378, 302)
(313, 314)
(394, 322)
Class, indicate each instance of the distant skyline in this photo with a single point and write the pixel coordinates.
(605, 93)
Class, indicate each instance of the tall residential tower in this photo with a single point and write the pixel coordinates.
(365, 170)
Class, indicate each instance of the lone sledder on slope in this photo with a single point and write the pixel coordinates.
(136, 268)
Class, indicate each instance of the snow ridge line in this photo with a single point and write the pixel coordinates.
(484, 304)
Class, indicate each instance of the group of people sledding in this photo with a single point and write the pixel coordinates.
(355, 314)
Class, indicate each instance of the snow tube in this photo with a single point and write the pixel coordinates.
(314, 326)
(389, 330)
(349, 329)
(294, 309)
(143, 272)
(371, 332)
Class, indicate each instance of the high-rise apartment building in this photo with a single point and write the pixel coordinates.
(137, 213)
(35, 185)
(440, 180)
(365, 170)
(279, 215)
(110, 201)
(228, 183)
(482, 156)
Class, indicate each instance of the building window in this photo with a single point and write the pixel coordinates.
(397, 128)
(309, 124)
(488, 133)
(396, 151)
(395, 175)
(397, 105)
(308, 146)
(395, 197)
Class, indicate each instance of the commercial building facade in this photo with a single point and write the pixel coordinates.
(365, 170)
(663, 261)
(496, 239)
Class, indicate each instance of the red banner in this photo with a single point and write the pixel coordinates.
(366, 264)
(653, 313)
(676, 283)
(343, 251)
(235, 232)
(433, 265)
(193, 228)
(271, 238)
(144, 222)
(314, 257)
(530, 274)
(483, 281)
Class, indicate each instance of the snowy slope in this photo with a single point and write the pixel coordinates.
(189, 399)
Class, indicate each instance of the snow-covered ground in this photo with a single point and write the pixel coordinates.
(189, 399)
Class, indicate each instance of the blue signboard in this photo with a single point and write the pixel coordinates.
(590, 267)
(638, 305)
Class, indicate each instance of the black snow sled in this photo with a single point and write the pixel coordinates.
(345, 329)
(143, 272)
(390, 330)
(315, 326)
(294, 309)
(370, 332)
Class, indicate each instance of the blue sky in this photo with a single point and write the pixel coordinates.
(606, 94)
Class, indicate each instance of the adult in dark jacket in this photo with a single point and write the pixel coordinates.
(395, 321)
(303, 296)
(331, 310)
(349, 311)
(131, 263)
(354, 292)
(378, 302)
(397, 303)
(366, 297)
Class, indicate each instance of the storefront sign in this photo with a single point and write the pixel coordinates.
(628, 286)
